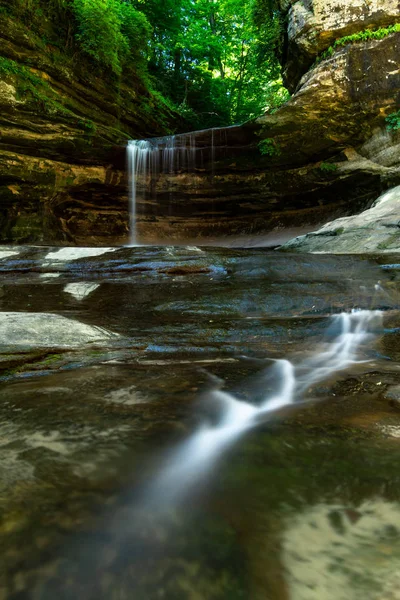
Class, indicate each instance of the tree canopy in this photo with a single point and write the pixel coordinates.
(213, 61)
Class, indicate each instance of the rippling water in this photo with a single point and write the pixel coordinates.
(198, 423)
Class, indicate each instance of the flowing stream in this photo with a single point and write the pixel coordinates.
(291, 381)
(150, 516)
(219, 435)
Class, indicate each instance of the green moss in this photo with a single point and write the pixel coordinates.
(50, 360)
(394, 239)
(361, 36)
(326, 167)
(23, 364)
(29, 84)
(269, 147)
(27, 227)
(393, 121)
(87, 125)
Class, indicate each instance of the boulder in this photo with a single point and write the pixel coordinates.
(377, 229)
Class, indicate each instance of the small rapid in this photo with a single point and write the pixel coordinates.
(196, 457)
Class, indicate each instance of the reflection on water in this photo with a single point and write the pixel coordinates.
(100, 444)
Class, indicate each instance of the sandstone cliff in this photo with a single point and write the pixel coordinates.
(62, 131)
(314, 25)
(327, 152)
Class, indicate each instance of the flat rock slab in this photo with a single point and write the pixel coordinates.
(376, 230)
(38, 330)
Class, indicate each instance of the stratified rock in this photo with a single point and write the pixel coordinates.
(313, 25)
(374, 230)
(63, 176)
(333, 156)
(63, 130)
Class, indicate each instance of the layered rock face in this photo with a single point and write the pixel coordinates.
(62, 134)
(313, 25)
(328, 152)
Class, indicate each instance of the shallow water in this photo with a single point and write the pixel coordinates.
(304, 506)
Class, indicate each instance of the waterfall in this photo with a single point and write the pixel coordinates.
(170, 154)
(195, 457)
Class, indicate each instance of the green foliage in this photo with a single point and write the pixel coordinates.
(8, 67)
(87, 125)
(135, 29)
(212, 61)
(110, 31)
(393, 121)
(215, 60)
(326, 167)
(99, 31)
(367, 34)
(269, 147)
(113, 33)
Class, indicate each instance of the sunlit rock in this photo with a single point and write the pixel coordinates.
(80, 290)
(76, 253)
(329, 550)
(374, 230)
(315, 24)
(48, 330)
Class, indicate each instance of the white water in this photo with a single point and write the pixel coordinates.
(194, 458)
(148, 158)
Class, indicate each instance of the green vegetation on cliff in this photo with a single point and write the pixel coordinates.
(212, 62)
(360, 36)
(393, 121)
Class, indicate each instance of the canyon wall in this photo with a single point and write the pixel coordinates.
(63, 128)
(327, 152)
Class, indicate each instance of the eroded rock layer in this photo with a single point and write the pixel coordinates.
(329, 154)
(326, 153)
(313, 25)
(63, 128)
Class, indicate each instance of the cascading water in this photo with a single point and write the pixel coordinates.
(148, 158)
(196, 457)
(144, 526)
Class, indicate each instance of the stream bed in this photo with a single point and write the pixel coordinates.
(108, 362)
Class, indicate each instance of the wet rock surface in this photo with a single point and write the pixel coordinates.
(374, 230)
(85, 427)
